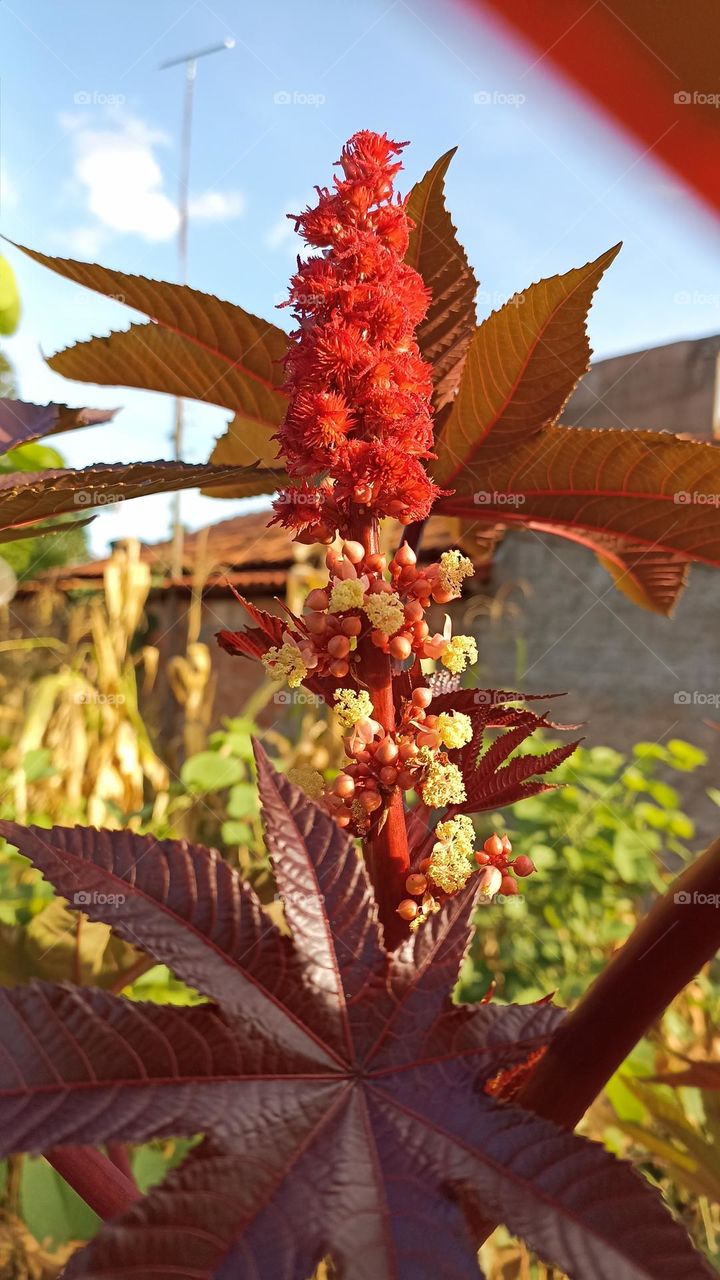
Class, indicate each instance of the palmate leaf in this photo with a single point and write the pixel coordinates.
(492, 779)
(21, 422)
(27, 497)
(435, 251)
(652, 492)
(198, 345)
(246, 443)
(339, 1089)
(523, 362)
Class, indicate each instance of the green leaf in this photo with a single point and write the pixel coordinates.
(243, 800)
(209, 771)
(9, 299)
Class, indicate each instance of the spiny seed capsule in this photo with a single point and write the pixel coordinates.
(407, 909)
(416, 884)
(523, 866)
(494, 846)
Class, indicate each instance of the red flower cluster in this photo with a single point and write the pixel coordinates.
(360, 416)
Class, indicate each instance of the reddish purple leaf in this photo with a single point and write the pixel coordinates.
(375, 1143)
(21, 421)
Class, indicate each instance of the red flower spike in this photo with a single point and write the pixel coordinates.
(360, 392)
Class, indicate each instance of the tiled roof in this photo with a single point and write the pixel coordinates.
(242, 551)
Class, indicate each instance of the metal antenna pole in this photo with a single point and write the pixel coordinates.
(190, 61)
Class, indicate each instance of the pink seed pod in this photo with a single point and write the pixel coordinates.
(523, 866)
(405, 555)
(489, 882)
(354, 552)
(317, 600)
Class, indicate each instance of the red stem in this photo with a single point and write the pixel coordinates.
(663, 954)
(95, 1178)
(386, 849)
(117, 1152)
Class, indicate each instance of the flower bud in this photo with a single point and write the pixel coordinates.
(489, 881)
(523, 866)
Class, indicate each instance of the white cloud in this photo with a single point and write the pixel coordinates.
(123, 181)
(217, 206)
(116, 165)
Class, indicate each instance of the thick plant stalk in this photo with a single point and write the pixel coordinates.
(96, 1179)
(386, 851)
(667, 949)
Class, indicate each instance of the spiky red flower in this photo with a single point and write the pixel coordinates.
(360, 414)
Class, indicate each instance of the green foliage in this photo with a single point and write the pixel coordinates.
(28, 556)
(9, 299)
(603, 844)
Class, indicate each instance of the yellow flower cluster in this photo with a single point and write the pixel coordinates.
(460, 653)
(348, 593)
(450, 864)
(443, 783)
(351, 707)
(311, 782)
(285, 663)
(454, 567)
(459, 832)
(455, 729)
(385, 611)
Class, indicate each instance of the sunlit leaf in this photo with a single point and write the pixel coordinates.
(20, 421)
(435, 251)
(522, 365)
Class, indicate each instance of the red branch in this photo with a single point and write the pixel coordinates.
(668, 948)
(386, 850)
(95, 1178)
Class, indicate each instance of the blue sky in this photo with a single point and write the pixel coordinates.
(89, 163)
